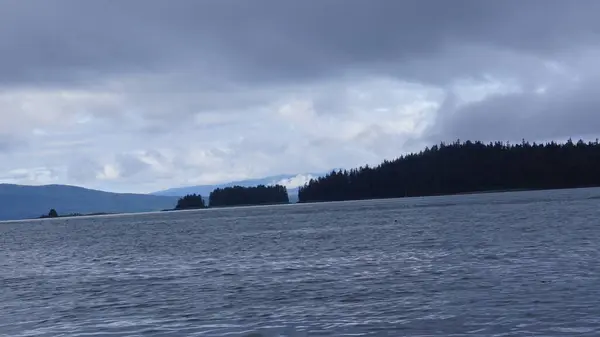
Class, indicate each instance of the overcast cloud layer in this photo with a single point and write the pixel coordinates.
(141, 95)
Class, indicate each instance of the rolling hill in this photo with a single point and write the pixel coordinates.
(23, 202)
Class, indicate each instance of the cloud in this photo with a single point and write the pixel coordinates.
(270, 41)
(296, 181)
(31, 176)
(9, 143)
(145, 95)
(564, 108)
(83, 170)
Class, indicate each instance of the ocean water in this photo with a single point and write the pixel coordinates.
(509, 264)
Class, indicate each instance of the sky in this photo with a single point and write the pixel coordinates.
(143, 95)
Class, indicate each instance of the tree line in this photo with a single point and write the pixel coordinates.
(256, 195)
(236, 196)
(462, 167)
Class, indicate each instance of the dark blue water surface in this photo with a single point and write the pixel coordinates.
(510, 264)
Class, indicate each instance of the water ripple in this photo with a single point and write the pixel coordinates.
(515, 264)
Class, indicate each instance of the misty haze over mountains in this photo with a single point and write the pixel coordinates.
(290, 181)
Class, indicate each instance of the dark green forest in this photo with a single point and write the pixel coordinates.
(191, 201)
(241, 196)
(463, 167)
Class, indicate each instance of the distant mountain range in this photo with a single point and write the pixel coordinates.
(23, 202)
(26, 202)
(291, 181)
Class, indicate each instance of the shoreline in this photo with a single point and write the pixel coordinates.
(99, 214)
(228, 206)
(75, 215)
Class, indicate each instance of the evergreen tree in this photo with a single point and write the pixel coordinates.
(464, 167)
(52, 213)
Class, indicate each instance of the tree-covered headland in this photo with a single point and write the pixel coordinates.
(463, 167)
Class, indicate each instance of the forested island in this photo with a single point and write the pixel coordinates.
(463, 167)
(236, 196)
(190, 201)
(243, 196)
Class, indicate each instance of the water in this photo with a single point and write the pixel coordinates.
(513, 264)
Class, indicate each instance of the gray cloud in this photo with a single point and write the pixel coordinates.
(277, 41)
(145, 94)
(6, 144)
(83, 170)
(560, 111)
(10, 143)
(130, 165)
